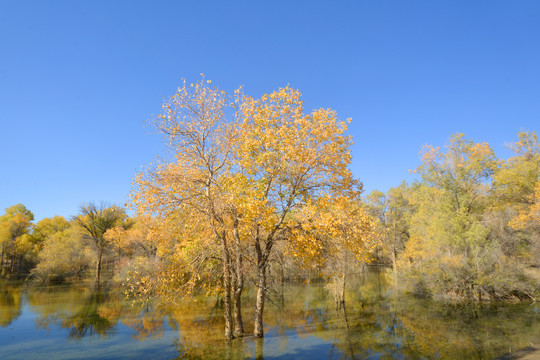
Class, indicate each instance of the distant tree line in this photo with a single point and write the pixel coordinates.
(56, 250)
(470, 226)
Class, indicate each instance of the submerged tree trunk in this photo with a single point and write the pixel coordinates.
(20, 265)
(282, 293)
(98, 264)
(394, 267)
(2, 260)
(338, 287)
(259, 349)
(239, 286)
(227, 290)
(12, 268)
(258, 331)
(343, 284)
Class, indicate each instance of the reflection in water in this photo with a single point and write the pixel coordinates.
(84, 312)
(10, 303)
(302, 322)
(91, 319)
(148, 324)
(374, 324)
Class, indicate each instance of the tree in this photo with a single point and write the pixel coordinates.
(515, 196)
(15, 239)
(454, 249)
(336, 235)
(95, 221)
(290, 160)
(199, 123)
(132, 238)
(393, 210)
(243, 168)
(448, 238)
(530, 217)
(62, 250)
(48, 227)
(517, 177)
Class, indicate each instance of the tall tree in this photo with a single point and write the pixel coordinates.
(96, 220)
(394, 211)
(61, 250)
(338, 236)
(47, 227)
(15, 239)
(289, 160)
(243, 168)
(517, 177)
(198, 123)
(454, 249)
(515, 196)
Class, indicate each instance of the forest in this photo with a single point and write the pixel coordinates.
(258, 192)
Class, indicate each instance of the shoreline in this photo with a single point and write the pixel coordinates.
(531, 352)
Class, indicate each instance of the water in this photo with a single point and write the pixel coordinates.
(302, 322)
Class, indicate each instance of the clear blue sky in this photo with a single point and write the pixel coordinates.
(78, 79)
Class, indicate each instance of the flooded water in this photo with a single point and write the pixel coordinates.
(301, 322)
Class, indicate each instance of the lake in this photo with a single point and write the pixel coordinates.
(301, 322)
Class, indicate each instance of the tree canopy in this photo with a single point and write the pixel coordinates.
(249, 173)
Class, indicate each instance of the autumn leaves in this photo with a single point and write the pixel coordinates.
(250, 174)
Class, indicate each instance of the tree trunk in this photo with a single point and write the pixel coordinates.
(394, 267)
(282, 282)
(343, 284)
(239, 287)
(379, 280)
(259, 349)
(2, 261)
(12, 270)
(258, 331)
(20, 265)
(227, 290)
(98, 264)
(344, 310)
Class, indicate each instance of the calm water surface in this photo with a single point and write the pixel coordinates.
(302, 322)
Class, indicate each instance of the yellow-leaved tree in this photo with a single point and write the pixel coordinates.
(16, 244)
(460, 244)
(290, 160)
(336, 235)
(245, 171)
(94, 221)
(517, 195)
(198, 123)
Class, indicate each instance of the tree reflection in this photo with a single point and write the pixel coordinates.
(10, 303)
(147, 322)
(371, 324)
(84, 312)
(472, 331)
(91, 318)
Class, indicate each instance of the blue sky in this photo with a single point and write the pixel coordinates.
(78, 79)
